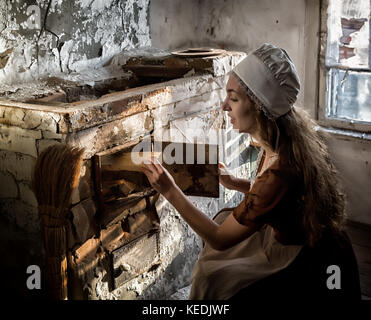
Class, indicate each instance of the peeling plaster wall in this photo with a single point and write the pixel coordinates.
(240, 25)
(39, 38)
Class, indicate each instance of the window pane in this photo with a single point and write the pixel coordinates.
(348, 95)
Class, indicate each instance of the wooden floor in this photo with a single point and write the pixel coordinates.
(360, 235)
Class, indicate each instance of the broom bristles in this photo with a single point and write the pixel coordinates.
(56, 174)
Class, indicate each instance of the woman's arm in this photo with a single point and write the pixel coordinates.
(229, 181)
(242, 185)
(219, 237)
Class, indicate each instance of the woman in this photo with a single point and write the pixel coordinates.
(291, 203)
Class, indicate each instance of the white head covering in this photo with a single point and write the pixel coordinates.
(271, 79)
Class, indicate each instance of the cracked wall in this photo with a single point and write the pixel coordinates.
(41, 38)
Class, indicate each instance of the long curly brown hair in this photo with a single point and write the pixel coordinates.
(304, 149)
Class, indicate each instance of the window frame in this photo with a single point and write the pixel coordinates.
(322, 119)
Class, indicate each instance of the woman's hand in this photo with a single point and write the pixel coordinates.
(160, 179)
(226, 178)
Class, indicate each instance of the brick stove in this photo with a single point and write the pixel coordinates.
(124, 240)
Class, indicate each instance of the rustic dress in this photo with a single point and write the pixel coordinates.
(273, 204)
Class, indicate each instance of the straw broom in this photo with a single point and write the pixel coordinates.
(56, 174)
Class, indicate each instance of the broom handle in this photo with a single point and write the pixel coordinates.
(56, 261)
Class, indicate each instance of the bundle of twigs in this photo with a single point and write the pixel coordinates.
(56, 174)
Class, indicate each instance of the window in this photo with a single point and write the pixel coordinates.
(345, 71)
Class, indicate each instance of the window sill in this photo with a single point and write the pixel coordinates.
(346, 133)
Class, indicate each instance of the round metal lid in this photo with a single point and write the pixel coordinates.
(198, 52)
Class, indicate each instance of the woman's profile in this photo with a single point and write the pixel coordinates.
(291, 221)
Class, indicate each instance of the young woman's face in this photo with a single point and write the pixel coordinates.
(239, 106)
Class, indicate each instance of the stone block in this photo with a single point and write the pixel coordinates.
(32, 119)
(24, 216)
(108, 108)
(27, 195)
(19, 140)
(14, 116)
(222, 65)
(86, 183)
(85, 187)
(200, 128)
(162, 115)
(45, 121)
(111, 134)
(53, 135)
(8, 186)
(197, 117)
(49, 121)
(155, 98)
(186, 88)
(85, 139)
(84, 219)
(18, 164)
(42, 144)
(27, 218)
(200, 103)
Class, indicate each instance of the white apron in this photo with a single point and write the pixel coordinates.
(221, 274)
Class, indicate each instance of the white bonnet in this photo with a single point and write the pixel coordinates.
(271, 79)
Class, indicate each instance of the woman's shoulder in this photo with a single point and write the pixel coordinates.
(281, 172)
